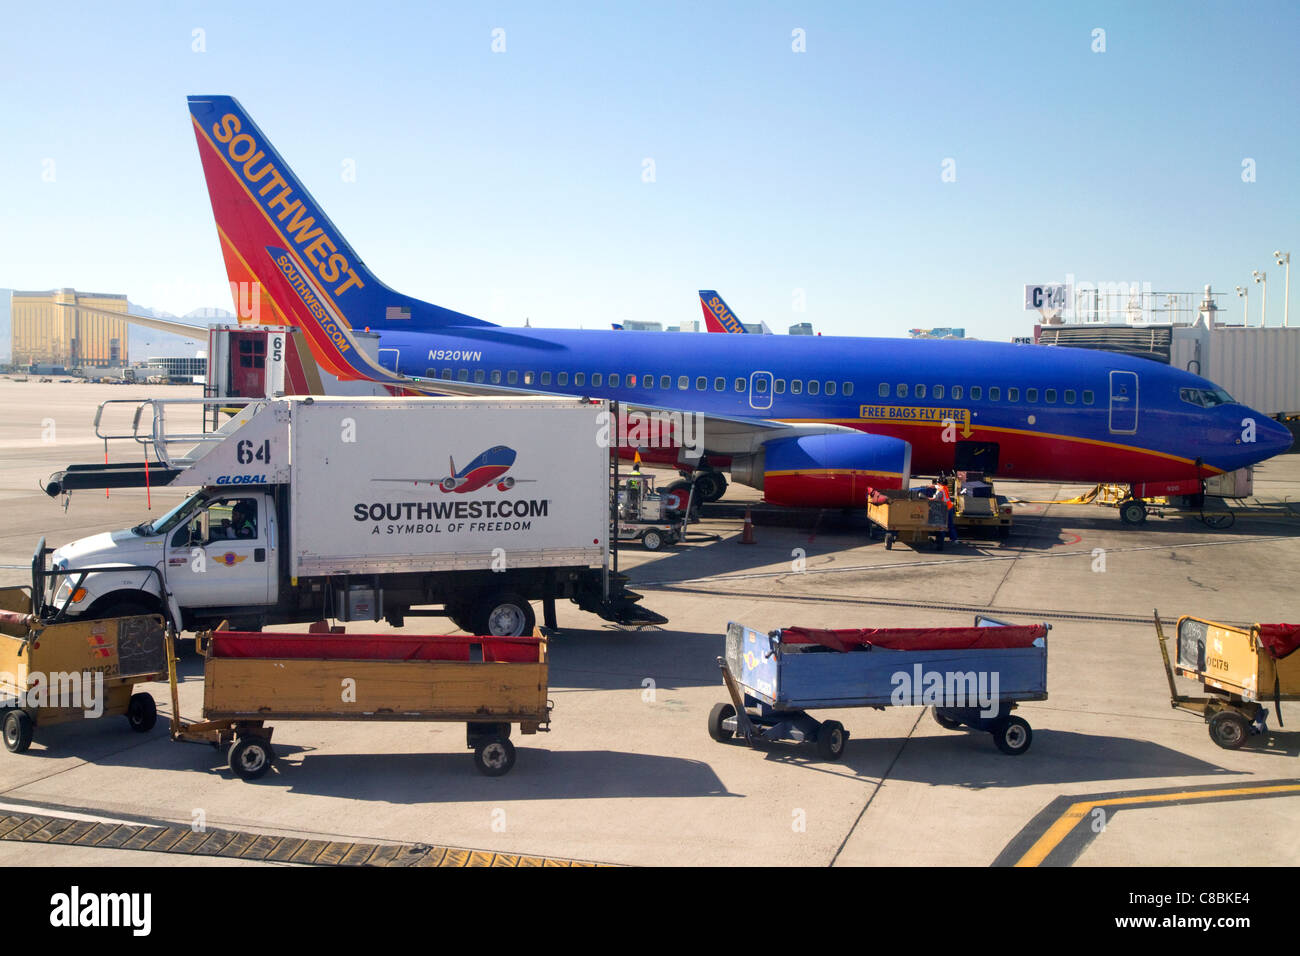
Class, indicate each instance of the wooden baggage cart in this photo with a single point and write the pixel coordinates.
(1239, 667)
(899, 514)
(52, 673)
(251, 678)
(970, 676)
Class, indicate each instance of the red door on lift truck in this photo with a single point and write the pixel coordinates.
(248, 364)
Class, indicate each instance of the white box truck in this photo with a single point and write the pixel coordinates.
(359, 509)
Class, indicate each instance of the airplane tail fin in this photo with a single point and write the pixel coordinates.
(288, 264)
(717, 316)
(451, 466)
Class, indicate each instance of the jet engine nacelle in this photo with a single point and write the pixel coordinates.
(826, 471)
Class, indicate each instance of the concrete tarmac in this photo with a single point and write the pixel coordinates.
(629, 775)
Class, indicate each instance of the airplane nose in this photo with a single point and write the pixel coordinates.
(1277, 438)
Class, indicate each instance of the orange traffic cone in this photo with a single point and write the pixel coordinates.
(747, 537)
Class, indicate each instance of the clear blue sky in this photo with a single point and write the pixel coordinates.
(510, 184)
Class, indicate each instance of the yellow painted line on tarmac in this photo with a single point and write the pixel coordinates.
(1077, 812)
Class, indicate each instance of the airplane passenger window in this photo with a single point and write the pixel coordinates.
(760, 386)
(938, 392)
(479, 375)
(779, 386)
(446, 373)
(740, 384)
(596, 379)
(647, 381)
(431, 373)
(683, 382)
(814, 386)
(1049, 396)
(545, 379)
(848, 389)
(496, 376)
(901, 391)
(561, 379)
(614, 379)
(1087, 396)
(512, 377)
(956, 393)
(580, 379)
(719, 384)
(995, 393)
(701, 384)
(976, 393)
(920, 391)
(462, 375)
(1069, 396)
(1013, 395)
(665, 381)
(883, 390)
(528, 378)
(830, 388)
(796, 386)
(1031, 394)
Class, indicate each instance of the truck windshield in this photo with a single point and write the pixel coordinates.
(171, 519)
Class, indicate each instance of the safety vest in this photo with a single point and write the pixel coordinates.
(947, 499)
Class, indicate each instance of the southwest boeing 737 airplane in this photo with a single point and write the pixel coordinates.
(809, 420)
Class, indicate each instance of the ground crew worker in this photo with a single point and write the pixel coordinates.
(941, 492)
(634, 488)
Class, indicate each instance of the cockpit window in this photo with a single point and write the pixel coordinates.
(1205, 397)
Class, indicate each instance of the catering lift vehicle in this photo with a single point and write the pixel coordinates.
(970, 676)
(354, 509)
(1238, 667)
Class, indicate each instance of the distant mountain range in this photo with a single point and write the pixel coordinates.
(142, 343)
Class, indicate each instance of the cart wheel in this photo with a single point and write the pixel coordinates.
(250, 757)
(17, 731)
(938, 542)
(831, 740)
(142, 713)
(889, 542)
(1132, 512)
(652, 540)
(1219, 521)
(1013, 736)
(717, 715)
(494, 756)
(947, 723)
(1228, 729)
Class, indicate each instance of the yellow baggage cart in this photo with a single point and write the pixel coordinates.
(54, 673)
(899, 514)
(1239, 667)
(488, 683)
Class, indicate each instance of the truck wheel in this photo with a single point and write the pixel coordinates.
(652, 541)
(710, 486)
(461, 616)
(1132, 512)
(1228, 729)
(142, 713)
(717, 715)
(494, 756)
(1013, 736)
(506, 615)
(831, 740)
(123, 608)
(17, 729)
(250, 757)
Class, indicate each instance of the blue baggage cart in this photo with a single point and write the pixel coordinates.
(970, 676)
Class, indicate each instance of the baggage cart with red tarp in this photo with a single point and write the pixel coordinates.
(1239, 667)
(971, 676)
(250, 678)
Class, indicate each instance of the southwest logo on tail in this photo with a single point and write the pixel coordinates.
(717, 316)
(488, 468)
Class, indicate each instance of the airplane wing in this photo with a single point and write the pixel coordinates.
(162, 325)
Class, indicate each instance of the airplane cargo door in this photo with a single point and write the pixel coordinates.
(760, 391)
(1123, 403)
